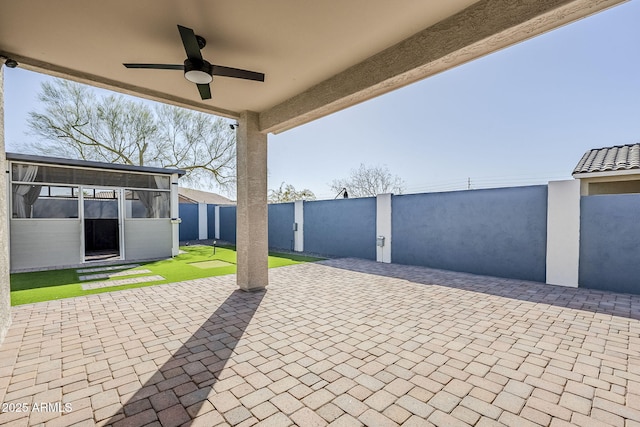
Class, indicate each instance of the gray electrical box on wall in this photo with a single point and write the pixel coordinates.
(295, 226)
(380, 241)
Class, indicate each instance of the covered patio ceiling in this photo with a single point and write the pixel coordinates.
(318, 56)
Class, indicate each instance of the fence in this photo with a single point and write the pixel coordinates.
(540, 233)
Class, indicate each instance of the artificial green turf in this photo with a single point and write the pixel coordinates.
(49, 285)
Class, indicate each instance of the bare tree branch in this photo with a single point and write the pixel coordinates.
(369, 181)
(74, 122)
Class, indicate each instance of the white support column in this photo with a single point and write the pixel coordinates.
(252, 216)
(298, 232)
(217, 222)
(383, 227)
(175, 216)
(5, 295)
(563, 232)
(203, 231)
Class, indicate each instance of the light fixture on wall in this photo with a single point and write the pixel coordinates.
(344, 193)
(234, 126)
(10, 62)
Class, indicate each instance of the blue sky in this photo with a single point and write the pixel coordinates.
(520, 116)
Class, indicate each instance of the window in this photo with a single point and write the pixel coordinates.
(62, 175)
(44, 201)
(148, 204)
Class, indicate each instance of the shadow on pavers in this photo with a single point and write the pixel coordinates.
(216, 339)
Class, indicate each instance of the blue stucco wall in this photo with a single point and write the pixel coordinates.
(343, 227)
(228, 223)
(189, 225)
(211, 221)
(498, 232)
(281, 217)
(609, 236)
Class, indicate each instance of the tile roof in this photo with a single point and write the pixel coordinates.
(618, 158)
(190, 195)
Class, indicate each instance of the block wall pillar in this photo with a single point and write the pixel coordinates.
(252, 243)
(383, 227)
(563, 233)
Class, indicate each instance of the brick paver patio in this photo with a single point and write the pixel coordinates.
(343, 342)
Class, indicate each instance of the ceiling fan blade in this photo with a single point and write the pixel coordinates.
(190, 43)
(219, 70)
(156, 66)
(205, 91)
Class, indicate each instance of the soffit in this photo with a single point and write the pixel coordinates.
(318, 56)
(297, 44)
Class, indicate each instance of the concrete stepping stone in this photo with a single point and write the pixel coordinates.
(112, 275)
(106, 268)
(129, 281)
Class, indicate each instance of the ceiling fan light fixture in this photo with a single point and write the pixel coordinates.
(198, 72)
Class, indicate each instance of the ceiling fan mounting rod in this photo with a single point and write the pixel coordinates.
(202, 42)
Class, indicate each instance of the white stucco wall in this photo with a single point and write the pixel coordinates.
(203, 231)
(298, 218)
(563, 233)
(383, 227)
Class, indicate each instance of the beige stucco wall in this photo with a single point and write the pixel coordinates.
(5, 296)
(623, 184)
(620, 187)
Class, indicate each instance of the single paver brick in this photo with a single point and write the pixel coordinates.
(415, 406)
(397, 414)
(195, 396)
(509, 402)
(329, 412)
(174, 416)
(163, 400)
(350, 405)
(139, 419)
(458, 388)
(442, 419)
(549, 408)
(444, 401)
(575, 403)
(306, 417)
(540, 418)
(224, 401)
(373, 418)
(257, 397)
(136, 407)
(399, 387)
(105, 398)
(380, 400)
(275, 420)
(466, 415)
(318, 398)
(286, 403)
(481, 407)
(369, 382)
(341, 385)
(237, 415)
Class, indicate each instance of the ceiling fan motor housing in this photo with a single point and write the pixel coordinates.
(198, 71)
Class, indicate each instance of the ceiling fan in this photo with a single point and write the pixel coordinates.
(198, 70)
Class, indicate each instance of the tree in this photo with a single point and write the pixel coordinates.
(369, 181)
(288, 193)
(75, 122)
